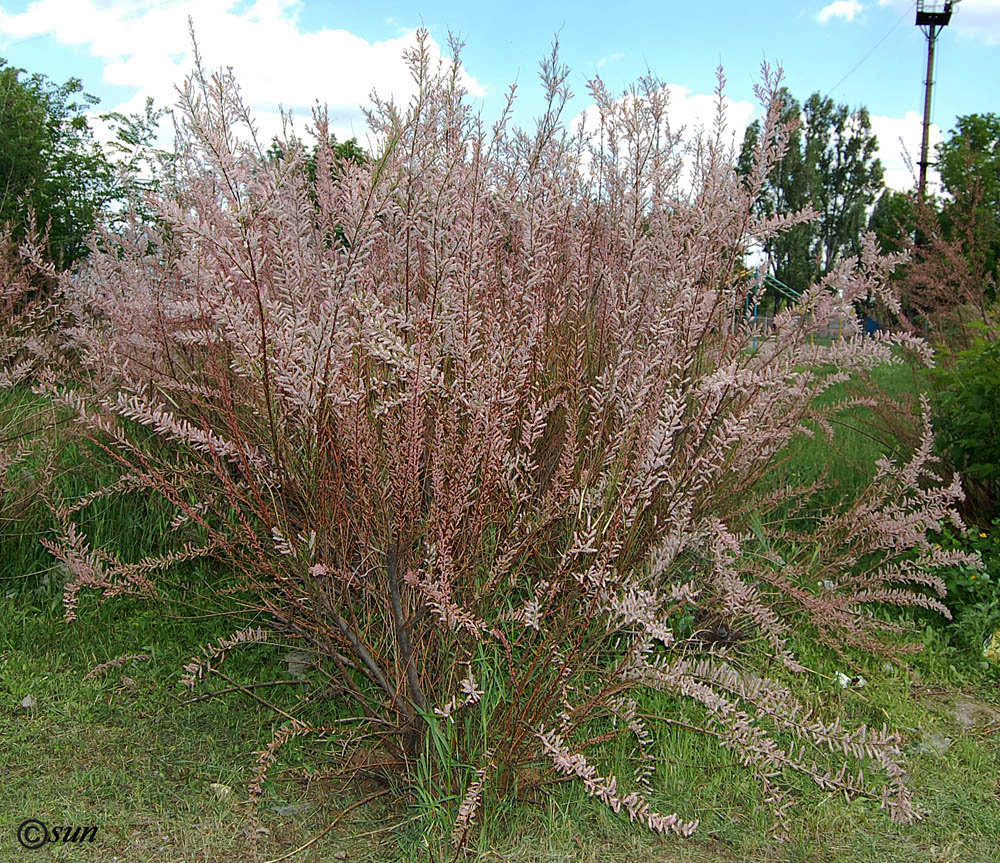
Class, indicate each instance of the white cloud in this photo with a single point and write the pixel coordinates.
(147, 47)
(899, 144)
(611, 58)
(846, 9)
(979, 19)
(695, 113)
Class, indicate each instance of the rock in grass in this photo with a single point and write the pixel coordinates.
(934, 744)
(991, 650)
(299, 662)
(220, 791)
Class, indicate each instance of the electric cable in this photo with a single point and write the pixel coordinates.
(874, 48)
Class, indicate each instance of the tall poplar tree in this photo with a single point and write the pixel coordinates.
(831, 165)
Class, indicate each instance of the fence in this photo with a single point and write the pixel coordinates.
(835, 330)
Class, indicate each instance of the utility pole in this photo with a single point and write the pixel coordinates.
(931, 18)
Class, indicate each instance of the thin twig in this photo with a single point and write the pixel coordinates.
(254, 695)
(402, 636)
(238, 688)
(329, 827)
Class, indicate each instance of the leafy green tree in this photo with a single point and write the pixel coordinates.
(831, 165)
(949, 285)
(972, 153)
(343, 151)
(969, 164)
(892, 220)
(787, 191)
(50, 164)
(847, 176)
(142, 167)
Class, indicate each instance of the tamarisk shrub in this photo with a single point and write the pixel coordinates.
(28, 315)
(25, 310)
(480, 418)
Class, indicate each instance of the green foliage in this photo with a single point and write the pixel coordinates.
(343, 152)
(973, 152)
(831, 165)
(974, 594)
(49, 162)
(967, 418)
(141, 166)
(969, 163)
(949, 285)
(892, 221)
(840, 148)
(788, 191)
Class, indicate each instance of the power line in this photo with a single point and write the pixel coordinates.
(875, 47)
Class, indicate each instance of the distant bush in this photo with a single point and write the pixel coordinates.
(973, 591)
(480, 420)
(967, 420)
(54, 174)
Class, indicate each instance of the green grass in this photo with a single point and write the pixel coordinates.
(860, 437)
(118, 751)
(121, 750)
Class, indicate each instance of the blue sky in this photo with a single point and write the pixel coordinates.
(294, 53)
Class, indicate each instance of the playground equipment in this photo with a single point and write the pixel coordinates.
(831, 330)
(766, 282)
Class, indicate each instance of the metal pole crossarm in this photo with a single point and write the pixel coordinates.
(933, 14)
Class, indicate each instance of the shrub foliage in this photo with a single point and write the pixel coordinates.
(28, 315)
(967, 420)
(481, 421)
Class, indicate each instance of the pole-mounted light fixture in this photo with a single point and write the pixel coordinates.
(931, 17)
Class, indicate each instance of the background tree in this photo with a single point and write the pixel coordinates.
(969, 164)
(342, 151)
(49, 162)
(973, 150)
(847, 176)
(892, 221)
(949, 292)
(141, 167)
(949, 285)
(787, 191)
(830, 164)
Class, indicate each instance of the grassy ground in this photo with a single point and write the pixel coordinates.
(861, 435)
(120, 752)
(166, 780)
